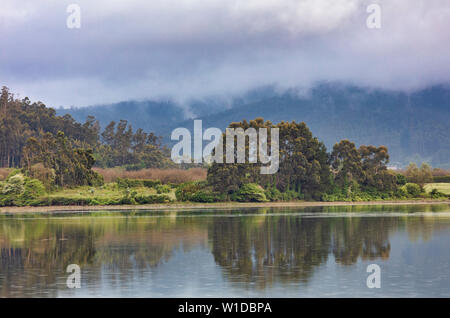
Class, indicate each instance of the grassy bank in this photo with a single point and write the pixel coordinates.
(441, 187)
(19, 190)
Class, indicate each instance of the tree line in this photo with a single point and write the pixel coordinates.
(307, 171)
(33, 137)
(60, 152)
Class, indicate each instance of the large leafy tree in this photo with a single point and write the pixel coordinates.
(421, 175)
(21, 119)
(71, 166)
(121, 146)
(346, 163)
(374, 162)
(303, 163)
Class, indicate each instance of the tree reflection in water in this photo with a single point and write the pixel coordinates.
(253, 250)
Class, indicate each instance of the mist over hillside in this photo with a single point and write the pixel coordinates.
(414, 126)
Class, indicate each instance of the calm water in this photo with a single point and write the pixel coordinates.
(224, 253)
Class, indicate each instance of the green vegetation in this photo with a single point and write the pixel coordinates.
(441, 179)
(413, 125)
(250, 192)
(19, 190)
(308, 172)
(54, 159)
(61, 152)
(441, 187)
(420, 175)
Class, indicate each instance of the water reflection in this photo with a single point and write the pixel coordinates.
(255, 249)
(264, 249)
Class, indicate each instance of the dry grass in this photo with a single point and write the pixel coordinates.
(165, 175)
(4, 172)
(441, 187)
(438, 172)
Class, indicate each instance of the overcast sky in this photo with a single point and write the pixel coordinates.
(184, 49)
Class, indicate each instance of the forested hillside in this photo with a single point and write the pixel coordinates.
(22, 119)
(413, 126)
(61, 152)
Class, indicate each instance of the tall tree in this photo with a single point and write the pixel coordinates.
(346, 163)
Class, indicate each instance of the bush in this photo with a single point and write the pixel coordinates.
(151, 183)
(206, 196)
(401, 179)
(162, 188)
(148, 199)
(69, 201)
(43, 201)
(412, 189)
(250, 192)
(435, 194)
(185, 191)
(96, 179)
(14, 185)
(290, 195)
(45, 175)
(401, 193)
(33, 189)
(124, 183)
(273, 194)
(7, 201)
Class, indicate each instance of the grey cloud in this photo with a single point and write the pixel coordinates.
(184, 49)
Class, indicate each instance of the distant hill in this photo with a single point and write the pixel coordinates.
(415, 126)
(148, 115)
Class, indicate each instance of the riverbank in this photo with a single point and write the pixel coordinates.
(221, 205)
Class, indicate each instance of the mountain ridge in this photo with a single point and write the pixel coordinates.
(414, 126)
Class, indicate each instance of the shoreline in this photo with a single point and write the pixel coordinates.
(221, 205)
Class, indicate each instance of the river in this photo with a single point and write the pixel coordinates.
(251, 252)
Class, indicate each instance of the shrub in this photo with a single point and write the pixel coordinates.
(14, 185)
(43, 201)
(401, 192)
(151, 183)
(148, 199)
(33, 189)
(435, 194)
(401, 179)
(290, 195)
(124, 183)
(162, 188)
(205, 196)
(273, 194)
(412, 189)
(7, 201)
(186, 190)
(69, 201)
(134, 183)
(13, 173)
(45, 175)
(250, 192)
(96, 179)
